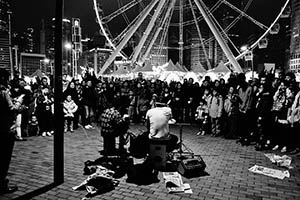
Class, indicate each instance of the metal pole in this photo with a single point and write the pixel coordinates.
(180, 32)
(95, 60)
(16, 55)
(58, 108)
(127, 37)
(10, 47)
(218, 36)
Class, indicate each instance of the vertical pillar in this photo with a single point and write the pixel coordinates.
(10, 46)
(16, 55)
(180, 32)
(58, 107)
(96, 61)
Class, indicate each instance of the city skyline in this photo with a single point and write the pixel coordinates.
(22, 19)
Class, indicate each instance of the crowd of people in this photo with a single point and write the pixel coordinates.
(253, 112)
(263, 111)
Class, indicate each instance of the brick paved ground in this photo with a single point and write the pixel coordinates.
(227, 166)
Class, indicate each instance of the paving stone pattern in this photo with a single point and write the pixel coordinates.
(227, 165)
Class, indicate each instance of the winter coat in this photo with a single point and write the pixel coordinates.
(70, 108)
(215, 106)
(294, 112)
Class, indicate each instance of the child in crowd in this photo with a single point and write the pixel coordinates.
(215, 108)
(33, 126)
(153, 101)
(202, 117)
(70, 108)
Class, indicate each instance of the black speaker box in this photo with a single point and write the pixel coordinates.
(191, 166)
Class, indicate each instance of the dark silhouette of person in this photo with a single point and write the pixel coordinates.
(7, 138)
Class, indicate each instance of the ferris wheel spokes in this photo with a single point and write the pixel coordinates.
(119, 11)
(200, 35)
(142, 41)
(129, 34)
(261, 25)
(223, 33)
(165, 32)
(263, 35)
(163, 22)
(203, 9)
(190, 22)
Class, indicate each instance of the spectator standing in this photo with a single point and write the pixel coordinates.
(294, 120)
(232, 114)
(70, 108)
(202, 117)
(44, 103)
(215, 109)
(8, 109)
(88, 102)
(71, 90)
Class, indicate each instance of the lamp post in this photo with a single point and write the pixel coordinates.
(68, 47)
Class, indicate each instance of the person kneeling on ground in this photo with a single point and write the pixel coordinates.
(112, 125)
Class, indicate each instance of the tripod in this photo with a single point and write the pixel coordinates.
(181, 144)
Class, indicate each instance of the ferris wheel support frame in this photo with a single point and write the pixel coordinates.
(172, 4)
(138, 49)
(131, 31)
(218, 36)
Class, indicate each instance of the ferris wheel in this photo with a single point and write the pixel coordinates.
(154, 27)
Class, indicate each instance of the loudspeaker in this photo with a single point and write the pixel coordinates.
(191, 166)
(158, 155)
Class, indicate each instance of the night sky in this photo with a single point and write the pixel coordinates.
(30, 12)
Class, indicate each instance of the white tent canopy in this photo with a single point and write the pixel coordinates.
(198, 68)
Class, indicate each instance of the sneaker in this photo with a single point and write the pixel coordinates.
(90, 126)
(44, 134)
(199, 133)
(49, 134)
(20, 138)
(87, 127)
(283, 150)
(52, 132)
(8, 189)
(203, 133)
(275, 148)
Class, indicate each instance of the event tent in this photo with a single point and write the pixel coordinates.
(221, 68)
(198, 68)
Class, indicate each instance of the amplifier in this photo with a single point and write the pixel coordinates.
(191, 166)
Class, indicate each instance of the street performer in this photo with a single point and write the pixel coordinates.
(158, 120)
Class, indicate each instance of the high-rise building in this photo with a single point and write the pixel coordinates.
(295, 36)
(47, 42)
(5, 34)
